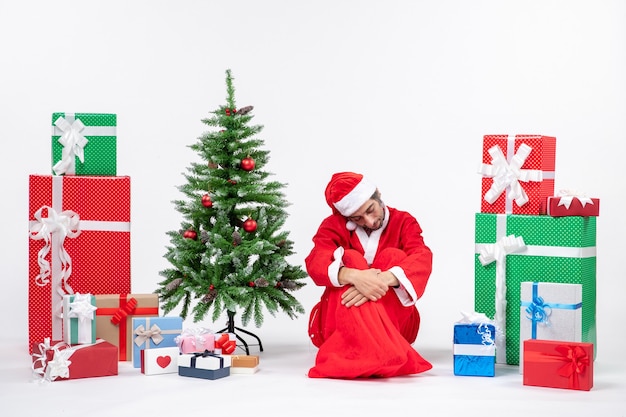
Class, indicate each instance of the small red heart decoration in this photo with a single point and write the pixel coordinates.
(163, 361)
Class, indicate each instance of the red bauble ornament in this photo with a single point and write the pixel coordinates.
(247, 164)
(206, 201)
(190, 234)
(211, 287)
(251, 284)
(249, 225)
(233, 182)
(227, 111)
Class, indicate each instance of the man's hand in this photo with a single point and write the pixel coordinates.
(351, 297)
(368, 283)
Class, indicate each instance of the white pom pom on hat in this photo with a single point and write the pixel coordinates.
(347, 192)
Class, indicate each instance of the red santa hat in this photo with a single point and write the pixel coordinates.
(347, 192)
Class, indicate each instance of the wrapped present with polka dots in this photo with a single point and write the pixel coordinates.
(79, 242)
(511, 249)
(84, 144)
(518, 173)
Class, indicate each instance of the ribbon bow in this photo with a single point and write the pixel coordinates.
(576, 361)
(123, 312)
(81, 308)
(508, 175)
(538, 310)
(59, 366)
(226, 343)
(198, 337)
(64, 224)
(143, 334)
(567, 196)
(73, 143)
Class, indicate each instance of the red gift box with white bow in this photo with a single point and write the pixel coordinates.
(518, 173)
(79, 243)
(572, 203)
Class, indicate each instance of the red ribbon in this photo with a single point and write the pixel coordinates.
(119, 316)
(123, 312)
(227, 345)
(574, 357)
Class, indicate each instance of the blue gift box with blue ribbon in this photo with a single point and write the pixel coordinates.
(550, 311)
(474, 349)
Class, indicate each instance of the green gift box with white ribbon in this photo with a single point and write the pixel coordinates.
(84, 144)
(511, 249)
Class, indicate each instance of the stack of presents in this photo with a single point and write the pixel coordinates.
(83, 318)
(535, 271)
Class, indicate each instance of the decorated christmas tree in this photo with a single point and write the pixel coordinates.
(230, 254)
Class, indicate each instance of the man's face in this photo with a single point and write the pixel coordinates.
(370, 215)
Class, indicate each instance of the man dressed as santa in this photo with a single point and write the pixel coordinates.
(374, 266)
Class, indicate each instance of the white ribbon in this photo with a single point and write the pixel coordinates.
(56, 226)
(59, 366)
(73, 143)
(507, 175)
(497, 253)
(568, 195)
(82, 309)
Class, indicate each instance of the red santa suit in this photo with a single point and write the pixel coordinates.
(374, 339)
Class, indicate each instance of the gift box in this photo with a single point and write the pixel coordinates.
(243, 364)
(79, 241)
(550, 311)
(57, 360)
(79, 320)
(569, 203)
(114, 318)
(203, 365)
(511, 249)
(159, 361)
(474, 349)
(196, 340)
(84, 144)
(154, 332)
(518, 173)
(558, 364)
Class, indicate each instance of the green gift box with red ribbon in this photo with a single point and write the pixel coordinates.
(114, 316)
(510, 249)
(84, 144)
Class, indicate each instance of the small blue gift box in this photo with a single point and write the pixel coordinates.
(154, 332)
(474, 349)
(204, 365)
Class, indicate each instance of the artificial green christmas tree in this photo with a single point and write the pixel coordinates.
(231, 254)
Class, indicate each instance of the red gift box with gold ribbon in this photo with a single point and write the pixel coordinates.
(518, 173)
(79, 242)
(114, 316)
(558, 364)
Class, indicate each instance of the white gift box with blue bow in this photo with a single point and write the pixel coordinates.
(550, 311)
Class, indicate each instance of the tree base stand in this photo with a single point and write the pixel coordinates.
(231, 328)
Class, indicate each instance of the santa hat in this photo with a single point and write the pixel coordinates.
(347, 192)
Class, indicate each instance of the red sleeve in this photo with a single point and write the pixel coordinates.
(331, 234)
(418, 264)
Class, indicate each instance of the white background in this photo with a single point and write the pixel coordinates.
(402, 91)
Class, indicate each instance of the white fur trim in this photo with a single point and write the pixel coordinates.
(352, 201)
